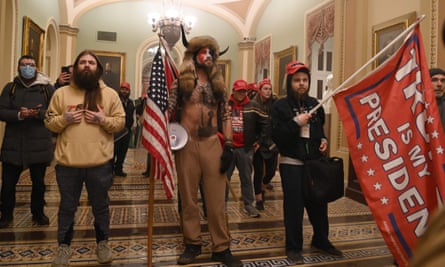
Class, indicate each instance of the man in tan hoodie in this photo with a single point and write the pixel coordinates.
(85, 115)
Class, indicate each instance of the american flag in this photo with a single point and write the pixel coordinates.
(155, 137)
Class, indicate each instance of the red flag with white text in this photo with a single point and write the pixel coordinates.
(396, 144)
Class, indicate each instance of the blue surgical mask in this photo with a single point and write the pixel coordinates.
(27, 71)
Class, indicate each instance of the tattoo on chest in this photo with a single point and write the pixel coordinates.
(203, 96)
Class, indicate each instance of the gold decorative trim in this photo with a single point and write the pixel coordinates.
(434, 32)
(68, 30)
(281, 59)
(33, 38)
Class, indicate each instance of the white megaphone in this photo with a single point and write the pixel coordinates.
(178, 136)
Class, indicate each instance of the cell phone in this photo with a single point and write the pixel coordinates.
(39, 106)
(65, 69)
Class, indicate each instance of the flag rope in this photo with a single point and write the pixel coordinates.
(340, 87)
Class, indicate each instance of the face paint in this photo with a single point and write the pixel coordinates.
(204, 54)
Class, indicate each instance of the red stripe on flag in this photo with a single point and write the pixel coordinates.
(171, 73)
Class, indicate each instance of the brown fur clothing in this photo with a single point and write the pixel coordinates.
(187, 69)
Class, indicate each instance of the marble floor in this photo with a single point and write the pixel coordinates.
(257, 241)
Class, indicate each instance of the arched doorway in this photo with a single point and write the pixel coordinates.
(50, 64)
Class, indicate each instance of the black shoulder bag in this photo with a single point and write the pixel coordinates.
(323, 179)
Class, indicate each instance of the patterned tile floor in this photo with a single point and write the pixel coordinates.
(257, 241)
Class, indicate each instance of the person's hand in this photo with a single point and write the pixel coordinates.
(64, 77)
(256, 146)
(226, 158)
(302, 119)
(323, 146)
(26, 113)
(95, 117)
(71, 116)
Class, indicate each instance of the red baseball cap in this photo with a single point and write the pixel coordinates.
(296, 66)
(126, 85)
(240, 85)
(264, 82)
(252, 86)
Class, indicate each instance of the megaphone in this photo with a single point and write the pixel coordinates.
(178, 136)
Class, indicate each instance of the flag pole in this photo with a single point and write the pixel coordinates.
(167, 50)
(340, 87)
(151, 197)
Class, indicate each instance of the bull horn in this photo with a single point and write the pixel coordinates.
(184, 38)
(224, 51)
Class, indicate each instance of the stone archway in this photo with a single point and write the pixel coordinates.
(51, 62)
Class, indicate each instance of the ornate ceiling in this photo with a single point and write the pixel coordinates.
(241, 14)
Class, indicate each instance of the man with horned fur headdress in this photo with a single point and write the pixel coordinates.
(200, 105)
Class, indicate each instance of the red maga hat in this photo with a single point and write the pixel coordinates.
(126, 85)
(240, 85)
(263, 82)
(296, 66)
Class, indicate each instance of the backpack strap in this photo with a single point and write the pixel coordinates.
(12, 90)
(43, 91)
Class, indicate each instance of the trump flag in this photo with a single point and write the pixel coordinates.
(396, 145)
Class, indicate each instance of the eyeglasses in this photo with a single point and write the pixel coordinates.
(27, 64)
(438, 80)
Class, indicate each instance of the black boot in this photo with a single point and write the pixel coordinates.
(189, 254)
(5, 221)
(40, 219)
(120, 173)
(227, 258)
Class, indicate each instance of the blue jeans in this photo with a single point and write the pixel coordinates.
(243, 161)
(98, 181)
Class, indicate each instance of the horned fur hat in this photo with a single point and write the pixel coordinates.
(187, 78)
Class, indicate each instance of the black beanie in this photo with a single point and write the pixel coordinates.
(435, 71)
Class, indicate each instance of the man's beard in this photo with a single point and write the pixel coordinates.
(301, 97)
(207, 67)
(86, 79)
(124, 96)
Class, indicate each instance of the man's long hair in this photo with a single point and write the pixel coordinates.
(89, 81)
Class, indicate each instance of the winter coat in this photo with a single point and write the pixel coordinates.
(267, 149)
(26, 141)
(256, 124)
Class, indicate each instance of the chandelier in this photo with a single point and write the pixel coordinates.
(169, 24)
